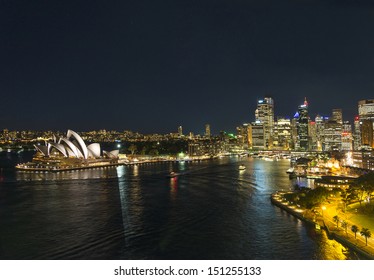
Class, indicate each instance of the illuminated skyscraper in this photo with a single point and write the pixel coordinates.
(265, 115)
(242, 133)
(320, 128)
(332, 136)
(180, 130)
(257, 133)
(357, 134)
(282, 134)
(347, 136)
(302, 122)
(337, 115)
(207, 130)
(366, 114)
(366, 109)
(312, 130)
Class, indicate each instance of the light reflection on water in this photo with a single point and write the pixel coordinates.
(214, 211)
(97, 173)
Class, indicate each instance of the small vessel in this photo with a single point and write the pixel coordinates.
(172, 174)
(242, 167)
(290, 170)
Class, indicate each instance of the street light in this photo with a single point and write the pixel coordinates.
(323, 209)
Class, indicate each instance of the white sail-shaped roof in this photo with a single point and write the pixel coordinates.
(80, 141)
(111, 154)
(42, 149)
(58, 147)
(114, 153)
(94, 150)
(73, 148)
(70, 152)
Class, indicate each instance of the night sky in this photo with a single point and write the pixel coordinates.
(152, 65)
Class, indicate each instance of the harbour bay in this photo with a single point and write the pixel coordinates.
(212, 211)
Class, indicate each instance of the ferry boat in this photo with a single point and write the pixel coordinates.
(242, 167)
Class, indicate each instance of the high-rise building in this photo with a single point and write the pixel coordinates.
(366, 109)
(333, 131)
(243, 133)
(366, 126)
(207, 130)
(258, 135)
(332, 136)
(302, 123)
(312, 130)
(347, 138)
(357, 134)
(265, 115)
(180, 130)
(337, 115)
(366, 115)
(320, 128)
(282, 138)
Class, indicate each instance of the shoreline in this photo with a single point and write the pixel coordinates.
(276, 199)
(23, 168)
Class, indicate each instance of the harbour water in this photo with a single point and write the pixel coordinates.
(212, 211)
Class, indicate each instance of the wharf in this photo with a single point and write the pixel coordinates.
(358, 245)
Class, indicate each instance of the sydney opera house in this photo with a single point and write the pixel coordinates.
(69, 152)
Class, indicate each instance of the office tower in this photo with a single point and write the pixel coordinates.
(347, 136)
(357, 134)
(313, 143)
(250, 137)
(243, 135)
(366, 132)
(333, 131)
(265, 115)
(366, 114)
(282, 138)
(180, 131)
(302, 123)
(207, 130)
(294, 137)
(366, 109)
(320, 127)
(337, 115)
(332, 136)
(258, 136)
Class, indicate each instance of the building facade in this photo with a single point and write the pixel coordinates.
(264, 114)
(302, 123)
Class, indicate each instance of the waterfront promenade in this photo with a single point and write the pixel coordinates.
(324, 220)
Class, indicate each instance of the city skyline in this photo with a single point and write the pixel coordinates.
(255, 118)
(151, 67)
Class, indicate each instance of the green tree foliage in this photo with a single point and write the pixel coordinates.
(336, 220)
(167, 147)
(132, 149)
(309, 198)
(314, 197)
(364, 186)
(365, 232)
(153, 152)
(344, 225)
(354, 229)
